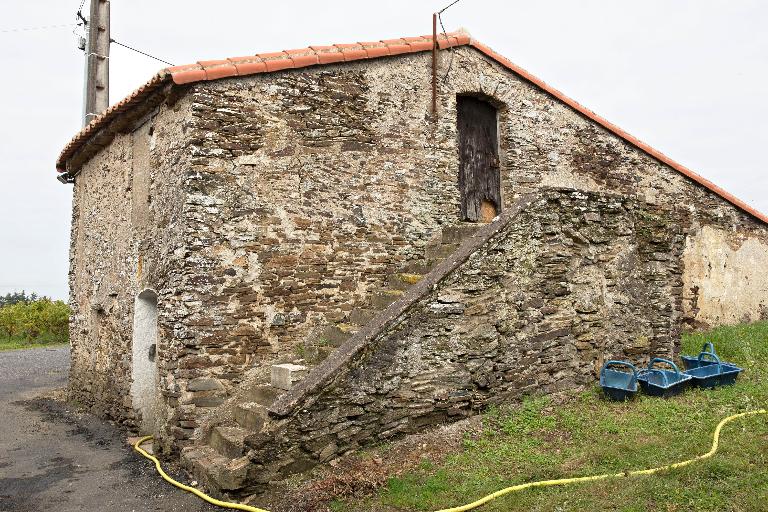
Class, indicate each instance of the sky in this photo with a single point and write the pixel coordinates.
(686, 76)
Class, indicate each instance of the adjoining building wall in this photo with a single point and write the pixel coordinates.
(573, 279)
(727, 282)
(127, 231)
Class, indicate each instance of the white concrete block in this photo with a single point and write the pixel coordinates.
(284, 376)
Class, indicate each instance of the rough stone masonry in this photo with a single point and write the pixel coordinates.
(269, 216)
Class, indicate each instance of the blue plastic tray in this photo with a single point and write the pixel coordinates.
(714, 374)
(694, 361)
(618, 385)
(664, 383)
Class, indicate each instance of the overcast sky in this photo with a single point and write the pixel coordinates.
(686, 76)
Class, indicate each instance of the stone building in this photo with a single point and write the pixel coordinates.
(279, 258)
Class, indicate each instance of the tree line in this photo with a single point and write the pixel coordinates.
(32, 318)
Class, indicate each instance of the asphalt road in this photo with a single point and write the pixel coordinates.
(55, 458)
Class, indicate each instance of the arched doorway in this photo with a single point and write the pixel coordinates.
(479, 172)
(144, 368)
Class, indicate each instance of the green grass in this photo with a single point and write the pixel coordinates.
(21, 343)
(589, 435)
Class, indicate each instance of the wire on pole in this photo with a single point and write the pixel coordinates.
(141, 52)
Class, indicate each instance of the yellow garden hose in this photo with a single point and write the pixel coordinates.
(566, 481)
(199, 494)
(493, 496)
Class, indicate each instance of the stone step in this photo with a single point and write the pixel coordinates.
(361, 316)
(228, 441)
(458, 232)
(383, 298)
(336, 334)
(285, 375)
(417, 267)
(263, 394)
(440, 252)
(214, 470)
(251, 416)
(403, 281)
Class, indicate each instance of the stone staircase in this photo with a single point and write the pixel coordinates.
(221, 463)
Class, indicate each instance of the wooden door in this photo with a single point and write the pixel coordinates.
(479, 175)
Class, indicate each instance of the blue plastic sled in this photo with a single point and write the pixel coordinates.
(618, 385)
(664, 383)
(714, 374)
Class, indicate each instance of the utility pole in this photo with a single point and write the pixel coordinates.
(96, 90)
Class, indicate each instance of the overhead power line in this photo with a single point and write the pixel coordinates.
(440, 19)
(141, 52)
(447, 6)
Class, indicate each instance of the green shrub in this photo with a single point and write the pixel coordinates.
(39, 320)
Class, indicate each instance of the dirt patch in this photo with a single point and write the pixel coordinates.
(359, 475)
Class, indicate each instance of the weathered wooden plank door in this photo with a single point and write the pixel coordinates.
(479, 174)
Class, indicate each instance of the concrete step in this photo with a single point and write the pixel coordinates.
(228, 441)
(263, 394)
(383, 298)
(440, 252)
(403, 281)
(285, 375)
(214, 470)
(458, 232)
(250, 416)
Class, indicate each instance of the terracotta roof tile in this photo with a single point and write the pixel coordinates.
(278, 64)
(351, 54)
(330, 57)
(377, 51)
(305, 60)
(314, 55)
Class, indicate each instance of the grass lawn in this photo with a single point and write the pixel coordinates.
(19, 343)
(589, 435)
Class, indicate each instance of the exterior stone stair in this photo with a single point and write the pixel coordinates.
(436, 250)
(222, 464)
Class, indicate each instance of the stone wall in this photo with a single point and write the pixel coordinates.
(309, 187)
(570, 280)
(127, 231)
(261, 208)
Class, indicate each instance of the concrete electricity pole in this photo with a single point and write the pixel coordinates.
(96, 92)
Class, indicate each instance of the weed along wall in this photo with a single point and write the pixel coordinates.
(570, 279)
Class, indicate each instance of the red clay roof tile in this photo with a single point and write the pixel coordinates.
(189, 76)
(351, 54)
(377, 51)
(418, 46)
(278, 64)
(313, 55)
(223, 70)
(305, 60)
(330, 58)
(272, 55)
